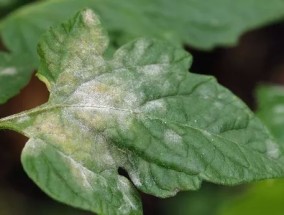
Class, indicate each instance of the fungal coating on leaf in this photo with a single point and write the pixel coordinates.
(141, 111)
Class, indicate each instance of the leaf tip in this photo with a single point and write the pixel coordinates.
(89, 17)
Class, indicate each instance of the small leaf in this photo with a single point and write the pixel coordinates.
(141, 111)
(14, 75)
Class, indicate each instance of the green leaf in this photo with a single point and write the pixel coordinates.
(15, 73)
(5, 3)
(264, 197)
(261, 199)
(201, 24)
(141, 111)
(271, 109)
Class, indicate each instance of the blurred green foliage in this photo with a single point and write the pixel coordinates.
(6, 6)
(204, 202)
(264, 198)
(13, 202)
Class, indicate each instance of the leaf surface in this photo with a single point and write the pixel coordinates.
(141, 111)
(264, 197)
(271, 109)
(13, 75)
(201, 24)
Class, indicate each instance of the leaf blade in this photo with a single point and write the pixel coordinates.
(141, 111)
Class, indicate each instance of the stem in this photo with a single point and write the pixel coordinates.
(19, 121)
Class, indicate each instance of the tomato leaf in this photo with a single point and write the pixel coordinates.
(264, 197)
(141, 111)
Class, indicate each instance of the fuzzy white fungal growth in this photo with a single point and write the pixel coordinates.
(279, 109)
(8, 71)
(89, 17)
(172, 137)
(272, 149)
(135, 179)
(156, 105)
(154, 71)
(23, 119)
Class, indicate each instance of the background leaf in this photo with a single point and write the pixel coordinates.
(200, 24)
(206, 201)
(260, 199)
(14, 75)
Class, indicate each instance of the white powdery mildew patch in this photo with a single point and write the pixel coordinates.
(8, 71)
(82, 68)
(156, 105)
(153, 71)
(126, 190)
(96, 94)
(81, 174)
(74, 116)
(35, 147)
(133, 100)
(122, 117)
(279, 109)
(171, 137)
(23, 119)
(101, 150)
(140, 47)
(89, 17)
(48, 124)
(96, 105)
(272, 149)
(135, 179)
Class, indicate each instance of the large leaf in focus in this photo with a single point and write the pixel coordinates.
(14, 75)
(141, 111)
